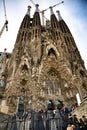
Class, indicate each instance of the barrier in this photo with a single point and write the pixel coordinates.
(36, 120)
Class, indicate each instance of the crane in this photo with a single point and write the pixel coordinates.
(6, 21)
(4, 26)
(42, 12)
(49, 8)
(32, 2)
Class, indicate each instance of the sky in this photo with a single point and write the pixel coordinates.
(74, 13)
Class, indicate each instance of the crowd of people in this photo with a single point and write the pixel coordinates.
(59, 118)
(77, 123)
(70, 122)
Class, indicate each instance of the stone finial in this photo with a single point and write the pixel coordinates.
(37, 9)
(28, 11)
(51, 10)
(59, 16)
(5, 49)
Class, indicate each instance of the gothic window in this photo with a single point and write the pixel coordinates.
(49, 86)
(49, 90)
(24, 68)
(76, 67)
(39, 32)
(51, 51)
(22, 35)
(27, 25)
(64, 27)
(23, 81)
(24, 24)
(25, 36)
(65, 30)
(28, 35)
(65, 40)
(36, 22)
(36, 31)
(52, 72)
(82, 73)
(60, 35)
(35, 35)
(54, 24)
(84, 85)
(56, 33)
(68, 41)
(57, 88)
(33, 32)
(72, 45)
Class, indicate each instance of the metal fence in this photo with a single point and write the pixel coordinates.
(36, 120)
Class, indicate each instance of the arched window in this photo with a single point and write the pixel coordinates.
(82, 73)
(51, 51)
(23, 81)
(52, 72)
(24, 68)
(49, 86)
(57, 87)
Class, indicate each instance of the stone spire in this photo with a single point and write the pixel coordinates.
(22, 40)
(59, 16)
(63, 25)
(73, 51)
(36, 37)
(28, 11)
(54, 25)
(22, 34)
(37, 9)
(51, 10)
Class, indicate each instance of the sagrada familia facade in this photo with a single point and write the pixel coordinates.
(45, 64)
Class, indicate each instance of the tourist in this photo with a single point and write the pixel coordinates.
(69, 127)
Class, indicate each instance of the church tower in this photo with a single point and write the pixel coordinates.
(35, 43)
(45, 64)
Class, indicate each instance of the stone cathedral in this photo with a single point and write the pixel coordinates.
(45, 64)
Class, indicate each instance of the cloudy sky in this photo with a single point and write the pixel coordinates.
(74, 12)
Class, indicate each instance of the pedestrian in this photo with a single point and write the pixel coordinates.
(69, 127)
(58, 120)
(74, 127)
